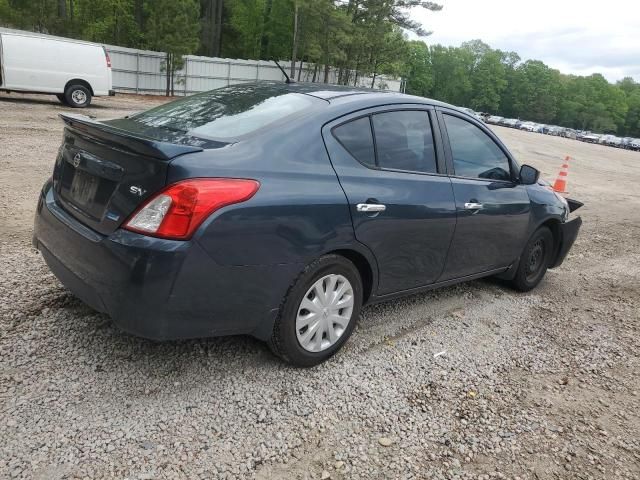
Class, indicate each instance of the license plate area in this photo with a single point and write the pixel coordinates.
(83, 188)
(85, 192)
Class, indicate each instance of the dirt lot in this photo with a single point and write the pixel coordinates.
(542, 385)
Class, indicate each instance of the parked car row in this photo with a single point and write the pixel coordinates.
(554, 130)
(627, 143)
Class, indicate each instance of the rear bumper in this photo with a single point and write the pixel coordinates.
(154, 288)
(569, 232)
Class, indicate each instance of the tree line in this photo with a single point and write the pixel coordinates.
(476, 76)
(357, 37)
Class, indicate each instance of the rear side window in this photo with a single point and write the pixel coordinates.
(357, 138)
(404, 141)
(475, 154)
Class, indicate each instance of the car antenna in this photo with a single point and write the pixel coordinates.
(288, 80)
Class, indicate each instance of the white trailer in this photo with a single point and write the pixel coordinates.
(73, 70)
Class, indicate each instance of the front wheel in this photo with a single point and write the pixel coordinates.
(534, 261)
(319, 312)
(77, 96)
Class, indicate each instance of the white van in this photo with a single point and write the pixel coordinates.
(75, 71)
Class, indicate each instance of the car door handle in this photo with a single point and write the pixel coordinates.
(371, 207)
(473, 206)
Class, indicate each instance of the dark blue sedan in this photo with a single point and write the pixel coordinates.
(278, 210)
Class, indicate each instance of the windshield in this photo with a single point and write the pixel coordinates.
(226, 112)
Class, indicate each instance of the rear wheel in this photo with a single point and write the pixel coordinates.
(534, 261)
(77, 96)
(319, 312)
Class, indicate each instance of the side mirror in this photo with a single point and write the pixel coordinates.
(529, 175)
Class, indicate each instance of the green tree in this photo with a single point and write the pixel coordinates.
(632, 119)
(451, 80)
(418, 70)
(246, 20)
(109, 21)
(537, 89)
(173, 28)
(488, 76)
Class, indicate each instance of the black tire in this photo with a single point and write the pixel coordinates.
(284, 340)
(534, 261)
(60, 97)
(77, 96)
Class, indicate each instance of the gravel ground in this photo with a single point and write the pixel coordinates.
(543, 385)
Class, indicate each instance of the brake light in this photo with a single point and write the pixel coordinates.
(177, 211)
(107, 57)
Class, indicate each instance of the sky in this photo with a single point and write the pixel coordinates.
(578, 37)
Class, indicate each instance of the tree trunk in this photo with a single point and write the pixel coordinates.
(300, 68)
(302, 48)
(294, 50)
(115, 25)
(211, 27)
(173, 77)
(345, 70)
(355, 80)
(62, 9)
(71, 10)
(168, 68)
(139, 14)
(315, 72)
(347, 75)
(264, 39)
(375, 67)
(325, 51)
(217, 36)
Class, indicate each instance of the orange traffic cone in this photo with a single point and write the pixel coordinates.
(560, 184)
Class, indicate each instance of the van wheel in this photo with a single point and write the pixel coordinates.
(60, 97)
(77, 96)
(319, 312)
(534, 261)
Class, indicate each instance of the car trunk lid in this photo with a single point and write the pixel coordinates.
(103, 173)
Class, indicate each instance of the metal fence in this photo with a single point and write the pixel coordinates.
(142, 71)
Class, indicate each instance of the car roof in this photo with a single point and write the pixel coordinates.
(348, 94)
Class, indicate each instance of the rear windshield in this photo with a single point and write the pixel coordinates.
(227, 112)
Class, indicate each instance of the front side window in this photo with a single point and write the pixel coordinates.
(475, 154)
(404, 141)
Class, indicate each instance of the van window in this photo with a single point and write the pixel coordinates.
(357, 138)
(227, 112)
(404, 141)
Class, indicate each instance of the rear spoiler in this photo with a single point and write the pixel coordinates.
(109, 134)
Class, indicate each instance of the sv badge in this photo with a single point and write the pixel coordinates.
(136, 190)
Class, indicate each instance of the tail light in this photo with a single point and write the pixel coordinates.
(107, 57)
(178, 210)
